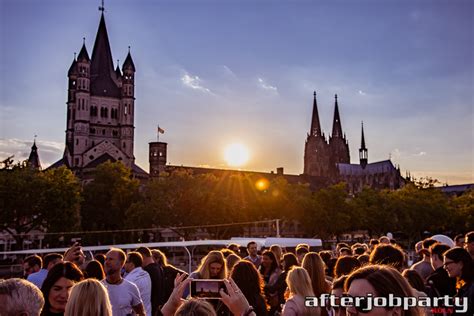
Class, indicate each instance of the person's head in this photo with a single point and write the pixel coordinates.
(147, 255)
(363, 259)
(344, 251)
(459, 240)
(458, 263)
(339, 246)
(20, 297)
(269, 263)
(88, 297)
(436, 254)
(114, 261)
(277, 251)
(32, 264)
(379, 281)
(159, 257)
(101, 258)
(213, 266)
(231, 260)
(373, 243)
(388, 254)
(469, 243)
(384, 240)
(414, 279)
(299, 282)
(315, 266)
(252, 248)
(345, 265)
(235, 248)
(134, 260)
(326, 255)
(94, 270)
(195, 307)
(338, 291)
(358, 251)
(425, 247)
(305, 246)
(57, 285)
(249, 281)
(51, 259)
(301, 252)
(289, 260)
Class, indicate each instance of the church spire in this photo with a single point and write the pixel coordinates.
(336, 124)
(102, 62)
(363, 152)
(33, 160)
(315, 126)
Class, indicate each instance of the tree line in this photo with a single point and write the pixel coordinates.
(54, 201)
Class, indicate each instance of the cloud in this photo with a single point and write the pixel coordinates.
(266, 86)
(362, 92)
(193, 82)
(421, 153)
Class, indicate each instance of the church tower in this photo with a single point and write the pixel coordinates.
(100, 106)
(363, 151)
(316, 153)
(33, 161)
(338, 144)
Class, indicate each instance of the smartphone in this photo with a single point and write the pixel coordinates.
(207, 289)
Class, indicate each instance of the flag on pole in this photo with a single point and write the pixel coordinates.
(160, 130)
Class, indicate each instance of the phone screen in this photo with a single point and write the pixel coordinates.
(208, 289)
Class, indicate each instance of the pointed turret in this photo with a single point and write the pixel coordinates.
(33, 160)
(336, 124)
(315, 126)
(363, 152)
(128, 63)
(73, 69)
(83, 54)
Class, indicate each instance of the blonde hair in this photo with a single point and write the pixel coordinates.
(299, 282)
(195, 307)
(278, 252)
(214, 256)
(88, 297)
(315, 266)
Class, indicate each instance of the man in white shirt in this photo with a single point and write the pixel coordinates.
(124, 295)
(138, 276)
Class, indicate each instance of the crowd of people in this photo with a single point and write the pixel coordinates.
(261, 283)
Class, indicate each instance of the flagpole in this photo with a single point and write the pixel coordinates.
(158, 133)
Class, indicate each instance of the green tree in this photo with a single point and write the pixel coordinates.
(108, 197)
(31, 199)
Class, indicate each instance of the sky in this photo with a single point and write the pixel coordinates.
(216, 72)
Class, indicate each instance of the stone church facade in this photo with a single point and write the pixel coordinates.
(100, 109)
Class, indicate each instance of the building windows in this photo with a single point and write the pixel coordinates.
(77, 141)
(123, 146)
(125, 110)
(103, 132)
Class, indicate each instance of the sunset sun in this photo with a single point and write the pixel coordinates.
(236, 155)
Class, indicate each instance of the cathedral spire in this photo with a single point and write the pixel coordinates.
(363, 152)
(315, 126)
(336, 124)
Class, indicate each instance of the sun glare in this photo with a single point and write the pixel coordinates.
(236, 155)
